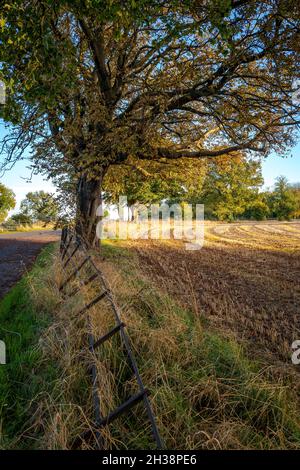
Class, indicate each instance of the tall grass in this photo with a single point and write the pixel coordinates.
(45, 391)
(24, 314)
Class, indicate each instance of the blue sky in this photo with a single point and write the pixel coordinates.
(16, 178)
(275, 165)
(272, 167)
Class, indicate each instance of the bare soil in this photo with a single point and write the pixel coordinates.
(245, 279)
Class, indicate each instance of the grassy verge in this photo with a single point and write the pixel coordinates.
(24, 314)
(206, 391)
(45, 388)
(26, 228)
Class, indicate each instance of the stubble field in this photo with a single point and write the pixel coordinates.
(245, 279)
(213, 330)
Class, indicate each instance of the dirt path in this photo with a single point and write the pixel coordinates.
(18, 251)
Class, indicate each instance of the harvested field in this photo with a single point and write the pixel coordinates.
(212, 330)
(244, 280)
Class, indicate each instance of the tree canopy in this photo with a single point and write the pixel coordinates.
(150, 182)
(7, 201)
(231, 187)
(39, 206)
(283, 200)
(92, 83)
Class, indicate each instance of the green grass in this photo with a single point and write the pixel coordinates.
(26, 375)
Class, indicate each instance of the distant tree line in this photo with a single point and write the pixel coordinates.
(230, 188)
(242, 200)
(38, 207)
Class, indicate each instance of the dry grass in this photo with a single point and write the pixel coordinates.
(48, 393)
(205, 391)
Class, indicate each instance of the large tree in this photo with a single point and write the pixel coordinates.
(91, 83)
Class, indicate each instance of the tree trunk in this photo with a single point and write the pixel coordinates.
(131, 213)
(88, 200)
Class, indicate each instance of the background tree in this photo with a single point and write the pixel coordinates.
(228, 186)
(20, 219)
(258, 209)
(93, 83)
(7, 201)
(295, 188)
(282, 200)
(39, 206)
(231, 186)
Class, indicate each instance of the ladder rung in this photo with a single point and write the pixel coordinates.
(94, 302)
(66, 248)
(107, 336)
(84, 284)
(71, 256)
(124, 407)
(74, 273)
